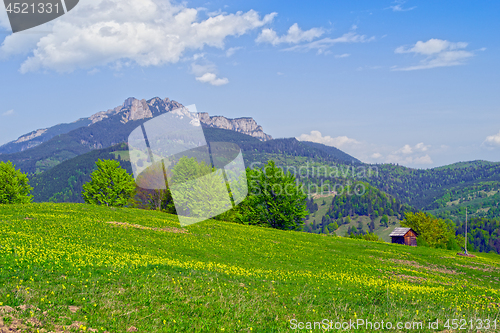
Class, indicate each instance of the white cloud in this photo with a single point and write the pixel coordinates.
(409, 160)
(421, 147)
(492, 141)
(410, 155)
(398, 6)
(142, 32)
(295, 35)
(345, 55)
(212, 79)
(206, 73)
(198, 56)
(426, 159)
(325, 43)
(338, 142)
(432, 46)
(8, 113)
(438, 52)
(405, 150)
(232, 50)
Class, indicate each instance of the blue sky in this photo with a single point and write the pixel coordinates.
(408, 82)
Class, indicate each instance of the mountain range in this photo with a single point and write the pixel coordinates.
(132, 110)
(43, 149)
(60, 159)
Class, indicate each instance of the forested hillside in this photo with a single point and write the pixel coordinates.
(480, 200)
(483, 235)
(64, 147)
(371, 202)
(63, 183)
(422, 188)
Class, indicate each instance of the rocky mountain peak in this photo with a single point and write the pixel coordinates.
(244, 125)
(134, 109)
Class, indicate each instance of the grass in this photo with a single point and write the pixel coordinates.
(381, 231)
(64, 268)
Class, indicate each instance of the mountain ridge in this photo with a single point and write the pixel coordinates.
(133, 109)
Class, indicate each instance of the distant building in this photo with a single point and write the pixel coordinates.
(405, 236)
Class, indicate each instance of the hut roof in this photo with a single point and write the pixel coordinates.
(398, 232)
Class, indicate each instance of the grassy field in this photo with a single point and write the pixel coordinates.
(75, 268)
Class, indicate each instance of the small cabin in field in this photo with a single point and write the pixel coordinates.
(405, 236)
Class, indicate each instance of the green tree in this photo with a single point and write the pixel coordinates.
(333, 226)
(432, 231)
(14, 185)
(110, 185)
(384, 221)
(275, 199)
(199, 198)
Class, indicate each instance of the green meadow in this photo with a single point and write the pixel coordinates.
(77, 267)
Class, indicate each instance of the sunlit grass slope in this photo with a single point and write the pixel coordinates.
(76, 271)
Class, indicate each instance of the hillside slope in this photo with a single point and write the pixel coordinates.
(423, 188)
(63, 182)
(339, 154)
(111, 269)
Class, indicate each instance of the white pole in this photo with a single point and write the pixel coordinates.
(466, 230)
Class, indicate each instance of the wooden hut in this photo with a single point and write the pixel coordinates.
(405, 236)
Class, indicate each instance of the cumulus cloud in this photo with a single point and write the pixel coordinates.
(207, 73)
(421, 147)
(492, 141)
(295, 35)
(212, 79)
(410, 155)
(8, 113)
(407, 149)
(338, 142)
(322, 45)
(398, 6)
(143, 32)
(409, 160)
(437, 52)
